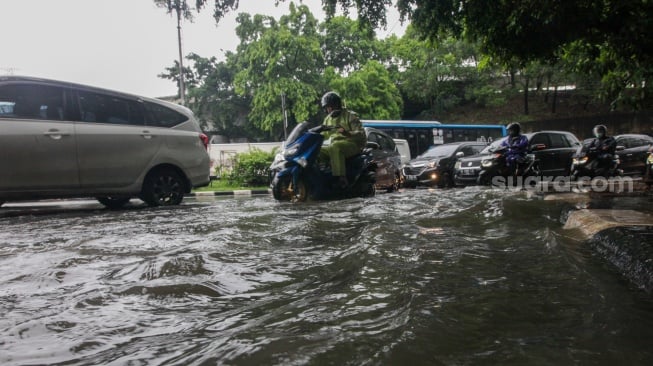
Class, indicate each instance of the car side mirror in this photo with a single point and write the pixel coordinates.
(621, 148)
(373, 145)
(460, 154)
(538, 147)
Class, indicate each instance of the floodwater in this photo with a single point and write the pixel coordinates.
(420, 277)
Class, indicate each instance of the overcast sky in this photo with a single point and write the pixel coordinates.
(117, 44)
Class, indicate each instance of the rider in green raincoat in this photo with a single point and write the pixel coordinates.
(347, 140)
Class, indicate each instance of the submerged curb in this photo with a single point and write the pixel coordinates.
(240, 192)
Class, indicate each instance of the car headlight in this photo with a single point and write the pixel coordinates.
(457, 165)
(432, 164)
(486, 163)
(649, 160)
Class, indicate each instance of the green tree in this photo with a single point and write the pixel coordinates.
(275, 58)
(611, 38)
(347, 46)
(369, 91)
(437, 73)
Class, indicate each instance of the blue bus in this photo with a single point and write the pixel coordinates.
(423, 134)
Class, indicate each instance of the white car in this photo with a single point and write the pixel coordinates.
(63, 140)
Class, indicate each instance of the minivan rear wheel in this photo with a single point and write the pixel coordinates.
(163, 187)
(113, 202)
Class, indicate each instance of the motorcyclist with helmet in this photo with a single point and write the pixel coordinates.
(602, 148)
(345, 140)
(517, 146)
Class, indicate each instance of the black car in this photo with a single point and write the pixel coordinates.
(387, 159)
(467, 169)
(632, 150)
(436, 165)
(553, 150)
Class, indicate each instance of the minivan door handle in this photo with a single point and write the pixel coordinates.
(146, 134)
(55, 134)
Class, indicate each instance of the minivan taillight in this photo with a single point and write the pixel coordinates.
(205, 141)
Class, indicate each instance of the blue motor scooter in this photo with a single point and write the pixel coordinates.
(297, 176)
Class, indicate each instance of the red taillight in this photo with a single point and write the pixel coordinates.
(205, 141)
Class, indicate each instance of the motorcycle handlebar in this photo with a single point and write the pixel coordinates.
(322, 128)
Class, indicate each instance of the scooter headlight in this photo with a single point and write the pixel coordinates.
(649, 160)
(291, 151)
(580, 161)
(302, 161)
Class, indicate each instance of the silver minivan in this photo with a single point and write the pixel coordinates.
(60, 140)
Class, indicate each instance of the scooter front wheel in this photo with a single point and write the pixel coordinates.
(299, 191)
(281, 189)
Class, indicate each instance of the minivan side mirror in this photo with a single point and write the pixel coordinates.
(538, 147)
(621, 148)
(460, 154)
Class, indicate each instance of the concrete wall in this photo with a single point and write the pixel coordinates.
(222, 155)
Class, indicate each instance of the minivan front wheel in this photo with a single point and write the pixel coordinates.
(163, 187)
(113, 202)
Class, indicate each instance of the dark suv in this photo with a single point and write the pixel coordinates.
(387, 159)
(633, 151)
(436, 165)
(553, 149)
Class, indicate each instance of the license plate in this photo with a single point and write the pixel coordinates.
(411, 178)
(467, 172)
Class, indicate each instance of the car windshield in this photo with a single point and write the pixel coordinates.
(493, 146)
(440, 151)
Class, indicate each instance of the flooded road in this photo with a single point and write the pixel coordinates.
(441, 277)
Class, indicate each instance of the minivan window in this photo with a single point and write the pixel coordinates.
(160, 116)
(31, 101)
(101, 108)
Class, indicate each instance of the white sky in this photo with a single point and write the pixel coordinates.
(117, 44)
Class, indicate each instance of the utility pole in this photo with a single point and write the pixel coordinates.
(285, 116)
(182, 86)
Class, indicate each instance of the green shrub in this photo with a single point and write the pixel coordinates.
(251, 168)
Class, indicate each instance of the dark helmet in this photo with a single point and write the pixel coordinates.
(600, 131)
(513, 129)
(331, 99)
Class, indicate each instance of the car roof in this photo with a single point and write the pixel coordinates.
(67, 84)
(372, 129)
(550, 131)
(461, 143)
(638, 135)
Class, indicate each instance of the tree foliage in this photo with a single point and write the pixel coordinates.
(454, 53)
(611, 36)
(278, 58)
